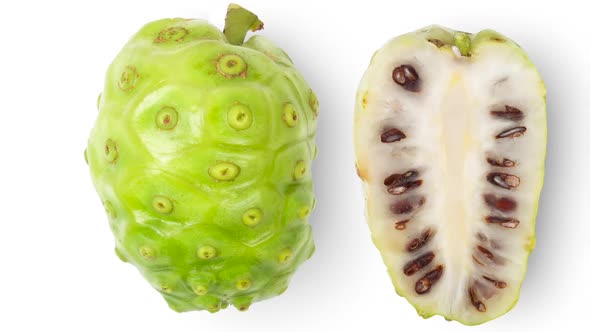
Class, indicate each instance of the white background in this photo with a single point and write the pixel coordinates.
(59, 271)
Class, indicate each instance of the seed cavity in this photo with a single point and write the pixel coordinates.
(128, 79)
(504, 163)
(498, 284)
(406, 77)
(503, 204)
(166, 118)
(172, 34)
(290, 115)
(401, 225)
(424, 284)
(510, 113)
(475, 301)
(162, 204)
(502, 221)
(437, 42)
(231, 65)
(407, 205)
(415, 265)
(400, 183)
(392, 135)
(252, 217)
(239, 117)
(206, 252)
(506, 181)
(486, 252)
(224, 171)
(300, 170)
(419, 242)
(512, 132)
(111, 152)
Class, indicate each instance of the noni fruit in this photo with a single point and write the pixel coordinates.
(450, 137)
(201, 155)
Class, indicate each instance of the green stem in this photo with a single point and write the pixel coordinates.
(238, 21)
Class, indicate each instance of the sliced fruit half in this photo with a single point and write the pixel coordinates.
(450, 139)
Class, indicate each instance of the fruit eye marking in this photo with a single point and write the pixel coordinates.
(231, 65)
(167, 118)
(239, 117)
(128, 79)
(172, 34)
(406, 77)
(224, 171)
(290, 115)
(111, 151)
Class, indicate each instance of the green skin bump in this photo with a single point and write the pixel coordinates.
(207, 187)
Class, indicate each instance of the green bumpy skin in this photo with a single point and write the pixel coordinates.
(201, 155)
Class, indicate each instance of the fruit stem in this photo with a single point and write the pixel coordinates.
(238, 21)
(463, 43)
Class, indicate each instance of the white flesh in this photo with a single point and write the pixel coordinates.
(449, 135)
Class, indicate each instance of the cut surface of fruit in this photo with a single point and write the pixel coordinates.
(450, 139)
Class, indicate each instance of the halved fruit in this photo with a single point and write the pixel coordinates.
(450, 138)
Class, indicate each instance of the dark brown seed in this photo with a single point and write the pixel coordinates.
(512, 132)
(401, 225)
(504, 222)
(407, 77)
(397, 179)
(407, 205)
(497, 283)
(477, 260)
(503, 204)
(439, 43)
(486, 252)
(476, 303)
(506, 181)
(392, 135)
(419, 242)
(504, 163)
(413, 266)
(403, 188)
(511, 113)
(400, 183)
(428, 280)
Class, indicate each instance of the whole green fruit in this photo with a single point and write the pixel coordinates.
(201, 155)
